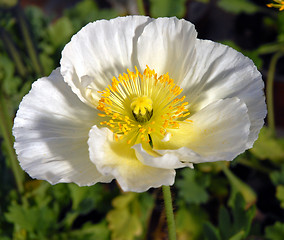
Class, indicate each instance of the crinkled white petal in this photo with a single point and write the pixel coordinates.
(51, 131)
(221, 72)
(168, 45)
(217, 132)
(99, 51)
(118, 159)
(169, 159)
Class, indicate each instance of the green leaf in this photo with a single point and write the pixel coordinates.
(277, 177)
(124, 200)
(60, 32)
(167, 8)
(225, 223)
(238, 6)
(210, 232)
(242, 216)
(8, 3)
(238, 236)
(87, 11)
(268, 147)
(275, 232)
(238, 186)
(8, 81)
(236, 225)
(280, 194)
(19, 215)
(192, 189)
(85, 199)
(281, 26)
(189, 222)
(125, 219)
(90, 231)
(36, 219)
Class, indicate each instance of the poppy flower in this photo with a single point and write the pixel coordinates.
(134, 99)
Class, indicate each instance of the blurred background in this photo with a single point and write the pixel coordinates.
(215, 201)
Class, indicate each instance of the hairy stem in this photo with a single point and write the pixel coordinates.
(169, 212)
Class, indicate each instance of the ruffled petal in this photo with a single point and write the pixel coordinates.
(168, 45)
(169, 159)
(221, 72)
(119, 160)
(217, 132)
(98, 52)
(51, 131)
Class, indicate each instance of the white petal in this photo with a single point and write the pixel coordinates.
(118, 159)
(221, 72)
(169, 159)
(217, 132)
(51, 131)
(99, 51)
(167, 45)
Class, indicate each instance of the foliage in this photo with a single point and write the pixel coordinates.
(238, 6)
(244, 200)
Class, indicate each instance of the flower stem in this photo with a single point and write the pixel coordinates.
(269, 90)
(28, 40)
(5, 127)
(11, 48)
(141, 8)
(169, 212)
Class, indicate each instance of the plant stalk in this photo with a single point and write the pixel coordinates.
(141, 8)
(169, 212)
(28, 40)
(269, 91)
(12, 50)
(6, 126)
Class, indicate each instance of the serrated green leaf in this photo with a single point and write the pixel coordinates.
(124, 225)
(19, 215)
(167, 8)
(238, 6)
(268, 147)
(33, 219)
(275, 232)
(90, 231)
(280, 194)
(192, 190)
(124, 219)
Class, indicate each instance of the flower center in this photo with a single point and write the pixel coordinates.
(142, 107)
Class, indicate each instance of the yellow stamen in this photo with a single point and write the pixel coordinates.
(139, 106)
(278, 4)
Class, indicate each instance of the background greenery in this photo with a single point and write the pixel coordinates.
(214, 201)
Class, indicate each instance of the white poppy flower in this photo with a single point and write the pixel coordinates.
(134, 99)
